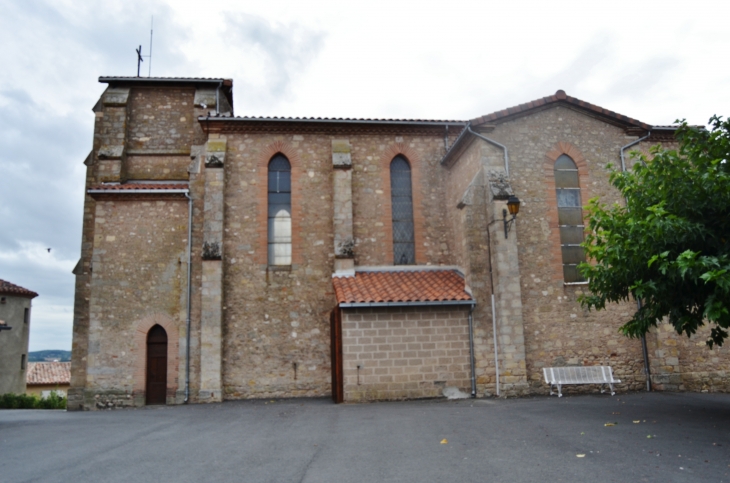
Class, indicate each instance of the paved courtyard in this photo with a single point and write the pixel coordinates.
(678, 437)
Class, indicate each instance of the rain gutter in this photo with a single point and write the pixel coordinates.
(187, 319)
(644, 350)
(142, 191)
(331, 121)
(346, 305)
(471, 354)
(495, 143)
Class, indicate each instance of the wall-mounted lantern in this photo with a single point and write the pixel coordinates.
(513, 205)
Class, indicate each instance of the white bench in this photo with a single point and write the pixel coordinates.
(558, 376)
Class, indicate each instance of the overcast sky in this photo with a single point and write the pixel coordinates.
(654, 61)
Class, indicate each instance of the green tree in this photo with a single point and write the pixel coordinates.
(669, 246)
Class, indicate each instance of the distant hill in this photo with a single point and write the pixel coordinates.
(47, 356)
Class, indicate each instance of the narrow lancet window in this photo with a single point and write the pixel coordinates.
(570, 217)
(402, 205)
(279, 211)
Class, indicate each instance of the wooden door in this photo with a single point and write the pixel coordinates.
(156, 387)
(338, 392)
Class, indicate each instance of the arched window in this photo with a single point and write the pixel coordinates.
(279, 211)
(570, 217)
(401, 198)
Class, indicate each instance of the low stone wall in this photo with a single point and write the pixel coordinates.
(409, 352)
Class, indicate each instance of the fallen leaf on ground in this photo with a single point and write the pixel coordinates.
(637, 422)
(444, 441)
(648, 436)
(580, 455)
(610, 424)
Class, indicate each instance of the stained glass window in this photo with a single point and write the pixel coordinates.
(279, 208)
(570, 217)
(402, 207)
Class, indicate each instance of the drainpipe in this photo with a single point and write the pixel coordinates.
(644, 350)
(187, 322)
(624, 148)
(494, 332)
(495, 143)
(471, 353)
(489, 253)
(491, 287)
(217, 98)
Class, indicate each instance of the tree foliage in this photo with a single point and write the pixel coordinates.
(669, 246)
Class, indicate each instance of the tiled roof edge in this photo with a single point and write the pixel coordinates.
(559, 97)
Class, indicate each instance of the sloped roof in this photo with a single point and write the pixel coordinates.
(560, 97)
(138, 187)
(48, 373)
(434, 122)
(12, 289)
(408, 286)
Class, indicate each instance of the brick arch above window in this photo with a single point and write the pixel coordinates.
(414, 160)
(551, 157)
(141, 329)
(262, 198)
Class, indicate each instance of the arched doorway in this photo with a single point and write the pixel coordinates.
(156, 387)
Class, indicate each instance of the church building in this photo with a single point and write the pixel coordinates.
(230, 257)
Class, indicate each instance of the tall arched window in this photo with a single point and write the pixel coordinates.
(279, 211)
(570, 217)
(401, 198)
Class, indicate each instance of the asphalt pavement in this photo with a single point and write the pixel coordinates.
(663, 437)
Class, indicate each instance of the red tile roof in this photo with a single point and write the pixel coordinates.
(401, 286)
(559, 97)
(12, 289)
(139, 186)
(47, 373)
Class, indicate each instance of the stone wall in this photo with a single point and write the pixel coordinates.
(409, 352)
(14, 343)
(276, 326)
(139, 269)
(557, 330)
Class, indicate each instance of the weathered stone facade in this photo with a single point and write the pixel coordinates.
(15, 308)
(169, 149)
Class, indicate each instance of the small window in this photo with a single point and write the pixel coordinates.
(570, 217)
(26, 316)
(22, 362)
(401, 198)
(279, 209)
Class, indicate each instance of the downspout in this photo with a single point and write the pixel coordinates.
(471, 353)
(644, 350)
(494, 332)
(494, 309)
(495, 143)
(187, 322)
(217, 98)
(624, 148)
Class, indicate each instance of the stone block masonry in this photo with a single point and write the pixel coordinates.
(404, 353)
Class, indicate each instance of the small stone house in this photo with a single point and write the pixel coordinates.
(46, 377)
(15, 305)
(227, 257)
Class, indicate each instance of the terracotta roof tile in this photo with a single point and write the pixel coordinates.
(559, 96)
(48, 373)
(139, 186)
(12, 289)
(401, 286)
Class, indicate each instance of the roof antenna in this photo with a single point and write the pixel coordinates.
(152, 23)
(140, 57)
